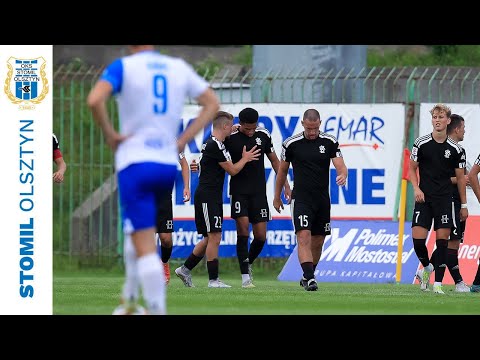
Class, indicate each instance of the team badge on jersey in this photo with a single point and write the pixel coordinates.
(322, 149)
(26, 81)
(447, 153)
(258, 141)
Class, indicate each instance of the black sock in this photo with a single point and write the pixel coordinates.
(192, 261)
(307, 268)
(452, 264)
(476, 281)
(212, 267)
(421, 251)
(314, 267)
(242, 253)
(255, 249)
(166, 253)
(433, 257)
(440, 259)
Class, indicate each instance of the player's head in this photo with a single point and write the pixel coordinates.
(248, 119)
(311, 124)
(456, 128)
(223, 121)
(440, 117)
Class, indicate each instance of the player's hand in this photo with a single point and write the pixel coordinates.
(252, 154)
(277, 204)
(58, 177)
(341, 180)
(287, 192)
(194, 166)
(235, 127)
(186, 195)
(419, 195)
(463, 214)
(114, 139)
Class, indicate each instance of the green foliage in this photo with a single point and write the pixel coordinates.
(440, 55)
(245, 56)
(208, 67)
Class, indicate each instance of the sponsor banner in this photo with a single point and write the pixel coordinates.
(471, 142)
(26, 191)
(368, 138)
(280, 239)
(359, 251)
(468, 254)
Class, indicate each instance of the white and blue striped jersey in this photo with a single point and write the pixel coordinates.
(151, 90)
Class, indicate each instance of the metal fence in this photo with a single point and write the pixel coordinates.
(85, 205)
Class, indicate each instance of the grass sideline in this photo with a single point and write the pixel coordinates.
(96, 292)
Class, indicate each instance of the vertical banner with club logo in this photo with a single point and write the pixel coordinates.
(26, 190)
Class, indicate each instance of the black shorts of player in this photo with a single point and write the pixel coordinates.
(458, 228)
(311, 216)
(255, 206)
(208, 215)
(440, 211)
(164, 220)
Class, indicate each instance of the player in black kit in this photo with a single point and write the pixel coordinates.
(437, 157)
(310, 153)
(208, 199)
(248, 190)
(456, 131)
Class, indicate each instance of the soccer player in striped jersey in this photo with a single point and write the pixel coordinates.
(151, 90)
(437, 157)
(473, 177)
(310, 153)
(208, 199)
(456, 131)
(165, 226)
(248, 190)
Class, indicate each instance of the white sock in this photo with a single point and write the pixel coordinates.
(430, 267)
(245, 277)
(437, 283)
(131, 286)
(150, 272)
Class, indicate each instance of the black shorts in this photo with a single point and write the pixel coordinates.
(440, 211)
(458, 228)
(164, 220)
(208, 215)
(255, 206)
(311, 216)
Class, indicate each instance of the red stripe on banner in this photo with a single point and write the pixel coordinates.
(468, 253)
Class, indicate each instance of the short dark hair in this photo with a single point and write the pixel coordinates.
(455, 122)
(221, 117)
(311, 115)
(248, 116)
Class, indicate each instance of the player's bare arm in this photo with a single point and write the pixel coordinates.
(462, 186)
(342, 171)
(97, 102)
(473, 178)
(412, 172)
(186, 179)
(279, 184)
(275, 164)
(233, 169)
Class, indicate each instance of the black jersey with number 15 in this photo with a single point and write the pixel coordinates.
(211, 174)
(251, 180)
(436, 163)
(311, 164)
